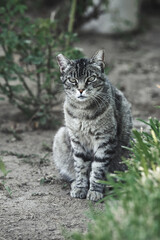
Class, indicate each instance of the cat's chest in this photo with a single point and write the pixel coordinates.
(87, 130)
(79, 125)
(84, 131)
(81, 129)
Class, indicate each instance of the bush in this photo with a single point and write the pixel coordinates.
(132, 207)
(29, 74)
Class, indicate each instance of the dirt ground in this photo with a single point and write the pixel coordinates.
(40, 206)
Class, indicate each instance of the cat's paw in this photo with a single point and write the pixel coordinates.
(94, 196)
(78, 192)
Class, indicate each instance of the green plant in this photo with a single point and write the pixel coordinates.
(46, 147)
(28, 69)
(4, 172)
(3, 168)
(132, 206)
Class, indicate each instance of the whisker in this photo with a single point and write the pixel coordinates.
(95, 100)
(102, 100)
(113, 97)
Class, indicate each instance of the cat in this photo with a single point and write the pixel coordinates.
(98, 123)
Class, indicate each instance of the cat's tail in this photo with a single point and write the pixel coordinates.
(62, 155)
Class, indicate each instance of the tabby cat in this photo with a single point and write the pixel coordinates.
(97, 124)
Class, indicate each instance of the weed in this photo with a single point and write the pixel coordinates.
(3, 184)
(44, 160)
(3, 168)
(46, 147)
(8, 189)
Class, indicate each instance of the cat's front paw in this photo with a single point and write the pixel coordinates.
(78, 192)
(94, 196)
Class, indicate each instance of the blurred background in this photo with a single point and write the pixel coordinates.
(35, 202)
(32, 33)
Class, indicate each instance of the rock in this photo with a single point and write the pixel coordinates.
(118, 17)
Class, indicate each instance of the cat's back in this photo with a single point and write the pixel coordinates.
(123, 115)
(122, 105)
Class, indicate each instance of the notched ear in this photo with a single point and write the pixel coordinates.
(98, 58)
(62, 62)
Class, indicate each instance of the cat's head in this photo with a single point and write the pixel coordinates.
(83, 78)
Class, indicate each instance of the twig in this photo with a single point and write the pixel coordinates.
(49, 66)
(10, 95)
(38, 83)
(71, 19)
(25, 84)
(72, 16)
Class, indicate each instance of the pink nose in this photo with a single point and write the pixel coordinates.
(81, 90)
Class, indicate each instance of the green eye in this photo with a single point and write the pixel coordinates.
(72, 80)
(91, 79)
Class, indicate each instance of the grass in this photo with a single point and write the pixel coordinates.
(132, 207)
(4, 172)
(46, 147)
(3, 168)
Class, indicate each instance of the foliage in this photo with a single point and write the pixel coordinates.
(29, 75)
(3, 168)
(132, 207)
(3, 183)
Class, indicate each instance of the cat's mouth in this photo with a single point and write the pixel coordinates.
(81, 97)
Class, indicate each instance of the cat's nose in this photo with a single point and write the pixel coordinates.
(81, 90)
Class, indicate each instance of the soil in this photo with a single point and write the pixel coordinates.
(40, 206)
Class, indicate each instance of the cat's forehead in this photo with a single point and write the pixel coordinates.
(80, 67)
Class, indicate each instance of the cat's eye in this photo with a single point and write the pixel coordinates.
(73, 80)
(91, 79)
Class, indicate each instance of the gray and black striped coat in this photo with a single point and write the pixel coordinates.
(97, 124)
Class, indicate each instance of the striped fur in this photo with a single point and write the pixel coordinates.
(97, 124)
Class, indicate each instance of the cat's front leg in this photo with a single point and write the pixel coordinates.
(96, 190)
(79, 187)
(104, 154)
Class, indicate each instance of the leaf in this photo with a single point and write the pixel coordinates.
(2, 98)
(17, 88)
(8, 189)
(143, 121)
(3, 168)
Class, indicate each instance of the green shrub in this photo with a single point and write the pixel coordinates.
(132, 207)
(29, 74)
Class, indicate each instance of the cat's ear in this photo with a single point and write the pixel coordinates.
(98, 58)
(62, 62)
